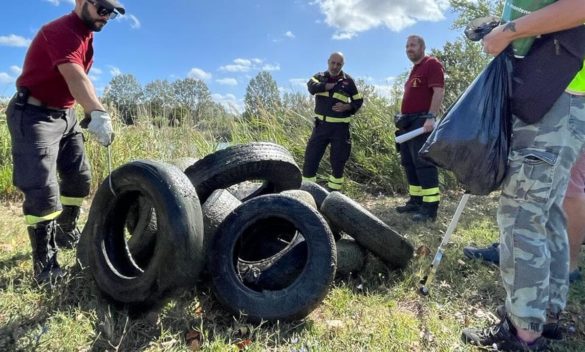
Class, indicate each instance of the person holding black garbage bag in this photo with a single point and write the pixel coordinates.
(423, 95)
(534, 250)
(46, 137)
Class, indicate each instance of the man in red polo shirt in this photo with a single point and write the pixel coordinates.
(49, 164)
(423, 95)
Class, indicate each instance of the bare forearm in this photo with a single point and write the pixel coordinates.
(436, 101)
(84, 93)
(561, 15)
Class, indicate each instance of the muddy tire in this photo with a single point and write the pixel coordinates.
(304, 293)
(254, 161)
(369, 231)
(177, 256)
(350, 257)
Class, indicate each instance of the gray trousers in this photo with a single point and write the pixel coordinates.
(49, 161)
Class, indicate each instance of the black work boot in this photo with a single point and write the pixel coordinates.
(551, 330)
(501, 337)
(44, 250)
(427, 212)
(67, 232)
(412, 206)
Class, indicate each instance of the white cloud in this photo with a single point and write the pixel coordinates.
(247, 65)
(198, 73)
(227, 81)
(115, 71)
(95, 74)
(229, 102)
(350, 17)
(134, 21)
(16, 69)
(239, 65)
(5, 78)
(270, 67)
(58, 2)
(14, 40)
(289, 34)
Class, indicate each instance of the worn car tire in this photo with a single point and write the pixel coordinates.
(350, 256)
(215, 209)
(177, 256)
(254, 161)
(141, 221)
(369, 231)
(183, 163)
(292, 302)
(318, 192)
(278, 271)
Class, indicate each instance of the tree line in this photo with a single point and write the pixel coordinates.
(188, 101)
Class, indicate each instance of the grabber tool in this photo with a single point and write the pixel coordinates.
(430, 272)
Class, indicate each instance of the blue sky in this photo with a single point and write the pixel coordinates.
(227, 42)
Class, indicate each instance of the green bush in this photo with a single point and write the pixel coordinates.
(374, 165)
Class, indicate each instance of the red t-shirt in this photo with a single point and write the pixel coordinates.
(65, 40)
(418, 90)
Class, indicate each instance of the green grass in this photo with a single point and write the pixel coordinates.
(376, 310)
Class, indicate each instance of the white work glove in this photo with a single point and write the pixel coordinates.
(100, 126)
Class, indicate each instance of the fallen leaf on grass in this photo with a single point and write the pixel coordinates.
(4, 247)
(480, 313)
(198, 310)
(194, 340)
(423, 251)
(243, 344)
(334, 324)
(444, 284)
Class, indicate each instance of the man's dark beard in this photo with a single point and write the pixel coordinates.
(88, 21)
(418, 57)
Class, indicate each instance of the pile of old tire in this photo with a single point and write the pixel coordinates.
(171, 257)
(265, 240)
(257, 257)
(246, 232)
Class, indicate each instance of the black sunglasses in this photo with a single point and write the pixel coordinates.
(104, 11)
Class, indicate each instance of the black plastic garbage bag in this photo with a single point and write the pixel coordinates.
(472, 140)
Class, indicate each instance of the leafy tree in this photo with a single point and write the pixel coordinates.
(300, 103)
(262, 95)
(160, 99)
(469, 10)
(193, 99)
(462, 58)
(463, 61)
(125, 93)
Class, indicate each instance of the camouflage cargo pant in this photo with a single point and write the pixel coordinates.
(534, 252)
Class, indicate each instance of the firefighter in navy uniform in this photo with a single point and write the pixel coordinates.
(49, 163)
(336, 100)
(423, 95)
